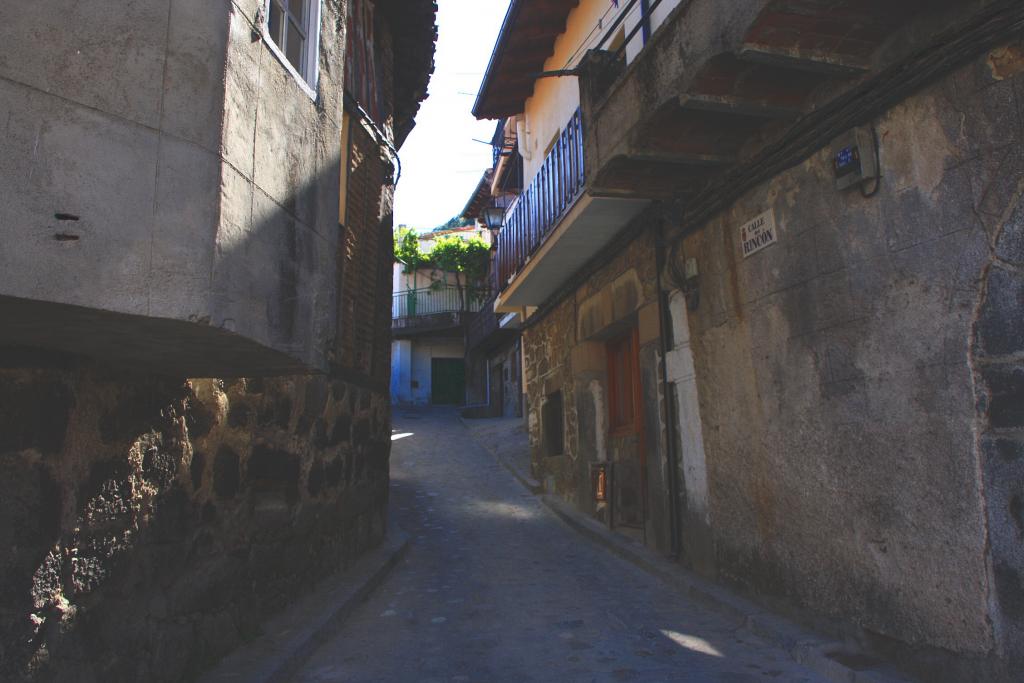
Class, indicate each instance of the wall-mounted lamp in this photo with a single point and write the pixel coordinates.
(494, 217)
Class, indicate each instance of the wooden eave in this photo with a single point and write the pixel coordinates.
(414, 26)
(481, 197)
(526, 41)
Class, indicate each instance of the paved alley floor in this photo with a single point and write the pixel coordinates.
(494, 588)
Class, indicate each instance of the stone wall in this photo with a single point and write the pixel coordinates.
(153, 522)
(859, 382)
(565, 351)
(494, 381)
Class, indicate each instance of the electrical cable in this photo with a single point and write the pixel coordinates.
(878, 168)
(597, 27)
(641, 25)
(992, 26)
(995, 24)
(354, 107)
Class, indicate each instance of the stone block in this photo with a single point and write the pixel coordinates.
(34, 414)
(589, 357)
(1010, 246)
(595, 314)
(1005, 401)
(999, 326)
(627, 295)
(226, 473)
(649, 323)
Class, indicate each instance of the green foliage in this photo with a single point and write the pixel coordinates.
(454, 222)
(465, 258)
(407, 250)
(469, 257)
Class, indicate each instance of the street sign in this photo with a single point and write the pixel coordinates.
(759, 233)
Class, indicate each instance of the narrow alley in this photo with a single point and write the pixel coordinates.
(512, 341)
(494, 588)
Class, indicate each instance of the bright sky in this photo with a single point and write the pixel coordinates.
(441, 164)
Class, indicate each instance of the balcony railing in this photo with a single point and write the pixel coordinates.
(415, 303)
(543, 204)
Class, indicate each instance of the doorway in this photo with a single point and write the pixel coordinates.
(625, 433)
(447, 381)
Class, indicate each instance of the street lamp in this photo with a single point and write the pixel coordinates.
(494, 217)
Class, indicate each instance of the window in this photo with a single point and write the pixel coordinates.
(622, 383)
(293, 30)
(551, 424)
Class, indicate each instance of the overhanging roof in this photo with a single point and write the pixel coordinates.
(526, 41)
(414, 24)
(481, 197)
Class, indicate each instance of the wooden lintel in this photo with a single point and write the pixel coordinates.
(825, 63)
(738, 106)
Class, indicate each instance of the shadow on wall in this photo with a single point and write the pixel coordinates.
(153, 522)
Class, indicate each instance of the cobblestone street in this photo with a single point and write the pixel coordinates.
(495, 588)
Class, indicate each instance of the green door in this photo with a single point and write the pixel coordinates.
(447, 381)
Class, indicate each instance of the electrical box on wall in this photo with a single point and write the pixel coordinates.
(855, 158)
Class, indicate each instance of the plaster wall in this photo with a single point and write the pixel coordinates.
(401, 372)
(555, 100)
(836, 376)
(150, 193)
(423, 351)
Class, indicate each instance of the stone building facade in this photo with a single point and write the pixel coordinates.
(152, 518)
(827, 418)
(866, 357)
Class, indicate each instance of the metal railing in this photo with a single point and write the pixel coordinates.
(544, 203)
(413, 303)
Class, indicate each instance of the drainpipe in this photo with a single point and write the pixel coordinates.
(665, 319)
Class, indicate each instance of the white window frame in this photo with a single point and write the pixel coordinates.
(311, 59)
